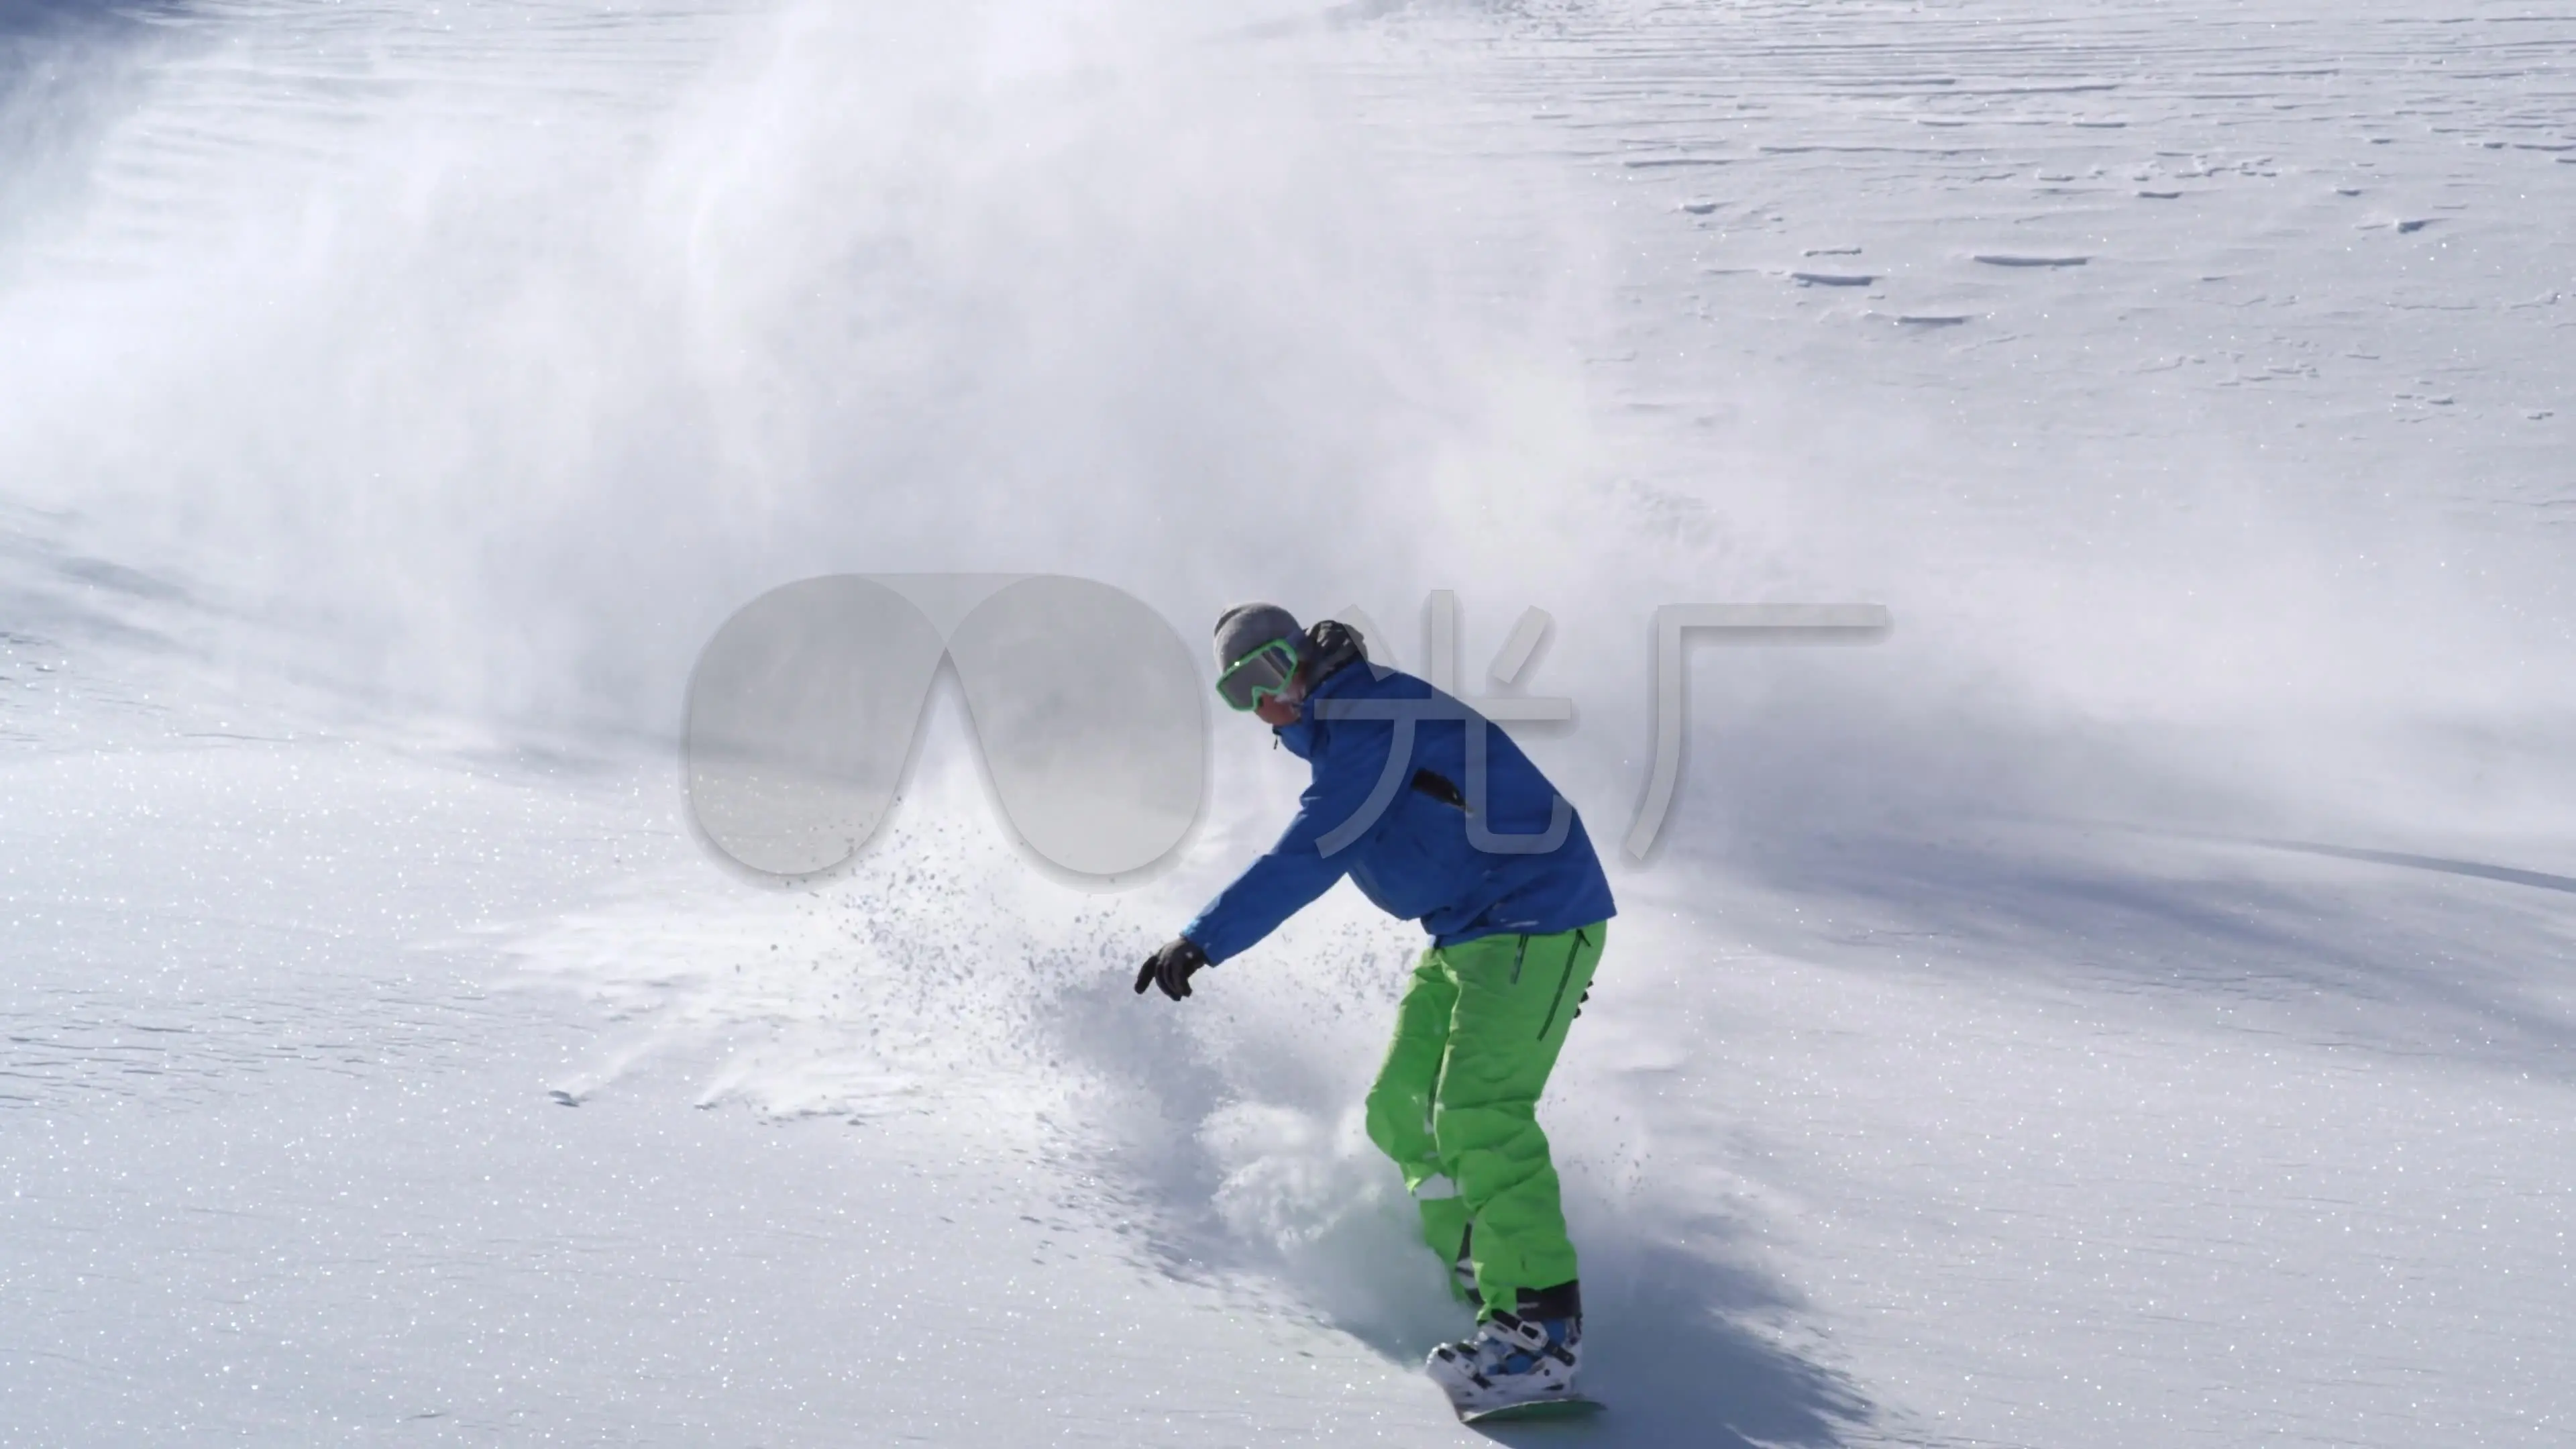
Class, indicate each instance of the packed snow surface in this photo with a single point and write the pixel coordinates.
(2134, 1004)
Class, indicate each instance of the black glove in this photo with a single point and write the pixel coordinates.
(1170, 968)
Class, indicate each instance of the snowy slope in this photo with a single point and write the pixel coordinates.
(2134, 1004)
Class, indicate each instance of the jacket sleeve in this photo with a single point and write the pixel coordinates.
(1295, 871)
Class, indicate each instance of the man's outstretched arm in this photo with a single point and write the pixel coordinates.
(1295, 871)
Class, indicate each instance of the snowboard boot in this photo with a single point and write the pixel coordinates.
(1511, 1360)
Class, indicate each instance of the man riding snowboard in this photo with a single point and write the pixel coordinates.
(1437, 817)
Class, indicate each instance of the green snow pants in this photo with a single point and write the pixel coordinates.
(1456, 1104)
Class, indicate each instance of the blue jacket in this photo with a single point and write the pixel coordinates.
(1465, 856)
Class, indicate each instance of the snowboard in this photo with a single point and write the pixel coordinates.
(1533, 1410)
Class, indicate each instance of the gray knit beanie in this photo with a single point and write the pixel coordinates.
(1247, 627)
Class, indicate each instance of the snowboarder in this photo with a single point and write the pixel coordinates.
(1437, 817)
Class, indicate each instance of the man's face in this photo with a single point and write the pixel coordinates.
(1281, 709)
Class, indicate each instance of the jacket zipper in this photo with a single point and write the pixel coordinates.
(1561, 982)
(1516, 961)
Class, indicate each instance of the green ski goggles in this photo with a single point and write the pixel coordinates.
(1258, 675)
